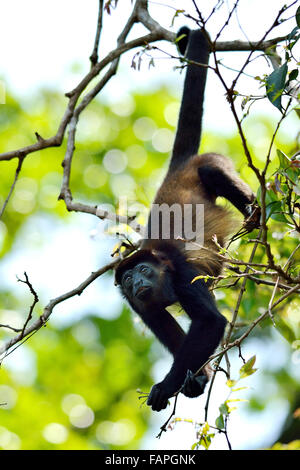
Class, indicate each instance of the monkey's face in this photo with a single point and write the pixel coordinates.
(141, 281)
(147, 283)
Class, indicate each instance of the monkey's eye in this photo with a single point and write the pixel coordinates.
(144, 269)
(127, 280)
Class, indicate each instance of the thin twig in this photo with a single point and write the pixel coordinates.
(231, 326)
(238, 341)
(163, 428)
(16, 330)
(35, 301)
(94, 55)
(36, 325)
(18, 169)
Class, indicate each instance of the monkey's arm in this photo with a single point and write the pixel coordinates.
(171, 335)
(165, 328)
(204, 335)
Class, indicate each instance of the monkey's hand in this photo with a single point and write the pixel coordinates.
(194, 386)
(253, 220)
(158, 397)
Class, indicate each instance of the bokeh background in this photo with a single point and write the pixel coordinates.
(73, 385)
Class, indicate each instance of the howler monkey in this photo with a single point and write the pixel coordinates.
(161, 272)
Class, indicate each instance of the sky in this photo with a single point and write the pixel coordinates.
(47, 44)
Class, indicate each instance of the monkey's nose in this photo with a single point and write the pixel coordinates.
(136, 286)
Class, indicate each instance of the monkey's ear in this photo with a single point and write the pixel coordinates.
(182, 38)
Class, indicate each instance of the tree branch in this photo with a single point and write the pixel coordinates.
(36, 325)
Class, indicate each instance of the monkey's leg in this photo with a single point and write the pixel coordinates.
(219, 182)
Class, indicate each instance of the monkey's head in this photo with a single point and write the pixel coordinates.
(145, 279)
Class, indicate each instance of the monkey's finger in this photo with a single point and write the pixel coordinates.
(157, 399)
(160, 405)
(153, 397)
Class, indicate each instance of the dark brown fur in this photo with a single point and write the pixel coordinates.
(184, 187)
(162, 271)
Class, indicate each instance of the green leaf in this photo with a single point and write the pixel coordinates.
(247, 369)
(177, 13)
(275, 210)
(232, 409)
(270, 196)
(298, 17)
(230, 383)
(293, 38)
(223, 409)
(274, 206)
(293, 75)
(293, 173)
(151, 63)
(279, 215)
(275, 83)
(285, 330)
(235, 399)
(220, 422)
(246, 374)
(250, 363)
(293, 33)
(205, 441)
(239, 388)
(284, 160)
(205, 428)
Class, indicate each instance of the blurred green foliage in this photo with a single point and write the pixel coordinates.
(82, 393)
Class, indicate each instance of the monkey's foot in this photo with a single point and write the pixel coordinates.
(193, 386)
(253, 220)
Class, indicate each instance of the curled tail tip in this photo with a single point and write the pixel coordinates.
(183, 30)
(182, 38)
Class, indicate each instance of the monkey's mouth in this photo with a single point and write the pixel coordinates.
(143, 292)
